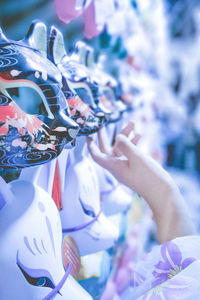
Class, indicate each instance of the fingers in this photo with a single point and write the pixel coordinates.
(107, 156)
(117, 166)
(136, 139)
(127, 133)
(124, 147)
(104, 143)
(128, 129)
(97, 155)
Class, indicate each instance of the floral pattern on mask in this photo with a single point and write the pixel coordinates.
(34, 119)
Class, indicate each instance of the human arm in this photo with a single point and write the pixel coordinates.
(146, 177)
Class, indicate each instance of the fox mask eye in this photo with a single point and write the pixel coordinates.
(35, 105)
(33, 276)
(87, 209)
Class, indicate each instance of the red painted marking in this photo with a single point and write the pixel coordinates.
(56, 191)
(12, 115)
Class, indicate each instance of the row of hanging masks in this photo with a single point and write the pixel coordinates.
(48, 98)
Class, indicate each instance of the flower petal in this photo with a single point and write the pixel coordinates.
(187, 262)
(158, 281)
(163, 265)
(157, 273)
(171, 254)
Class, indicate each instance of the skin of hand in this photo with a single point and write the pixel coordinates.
(146, 177)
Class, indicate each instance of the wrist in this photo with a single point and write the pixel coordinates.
(160, 194)
(171, 216)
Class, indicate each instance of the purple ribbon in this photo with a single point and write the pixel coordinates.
(59, 285)
(79, 227)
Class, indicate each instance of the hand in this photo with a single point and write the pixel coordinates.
(146, 177)
(127, 163)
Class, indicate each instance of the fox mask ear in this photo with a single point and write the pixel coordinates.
(85, 54)
(6, 195)
(3, 38)
(80, 51)
(56, 47)
(36, 37)
(89, 57)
